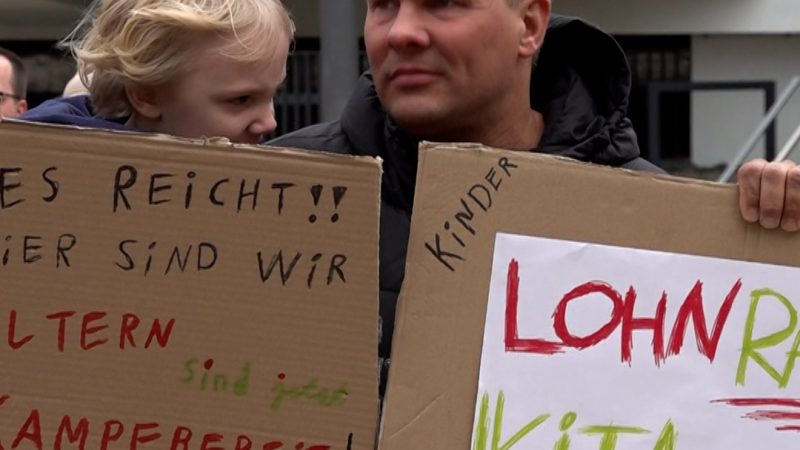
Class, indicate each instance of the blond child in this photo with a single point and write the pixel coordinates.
(191, 68)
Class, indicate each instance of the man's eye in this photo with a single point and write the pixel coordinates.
(240, 100)
(382, 4)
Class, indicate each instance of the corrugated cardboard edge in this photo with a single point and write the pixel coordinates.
(573, 166)
(216, 144)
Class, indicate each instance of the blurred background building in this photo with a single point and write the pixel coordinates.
(704, 73)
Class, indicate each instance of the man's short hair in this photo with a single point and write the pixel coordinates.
(19, 75)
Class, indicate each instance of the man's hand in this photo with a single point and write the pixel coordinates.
(769, 193)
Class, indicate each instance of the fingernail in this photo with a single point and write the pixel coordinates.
(769, 223)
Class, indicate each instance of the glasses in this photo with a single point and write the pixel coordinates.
(3, 96)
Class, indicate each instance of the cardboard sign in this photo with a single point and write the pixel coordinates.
(586, 344)
(468, 194)
(169, 294)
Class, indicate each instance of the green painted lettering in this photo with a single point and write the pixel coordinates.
(328, 397)
(610, 433)
(668, 437)
(482, 427)
(190, 372)
(311, 391)
(280, 391)
(220, 382)
(242, 383)
(751, 346)
(308, 390)
(566, 422)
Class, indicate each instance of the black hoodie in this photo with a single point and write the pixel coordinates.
(580, 85)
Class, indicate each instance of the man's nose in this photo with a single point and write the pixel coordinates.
(408, 29)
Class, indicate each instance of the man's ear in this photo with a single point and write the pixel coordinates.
(535, 15)
(22, 107)
(144, 101)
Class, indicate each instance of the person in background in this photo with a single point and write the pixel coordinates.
(179, 67)
(13, 84)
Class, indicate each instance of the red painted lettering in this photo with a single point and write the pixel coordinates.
(560, 315)
(274, 445)
(630, 323)
(62, 325)
(513, 341)
(693, 305)
(86, 330)
(108, 435)
(211, 438)
(181, 436)
(622, 312)
(161, 336)
(136, 439)
(12, 327)
(129, 323)
(31, 430)
(78, 434)
(243, 443)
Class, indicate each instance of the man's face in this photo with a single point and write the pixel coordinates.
(11, 106)
(222, 97)
(441, 65)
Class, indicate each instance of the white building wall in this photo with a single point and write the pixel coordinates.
(53, 19)
(732, 40)
(722, 122)
(687, 16)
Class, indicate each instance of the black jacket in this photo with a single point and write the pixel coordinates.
(580, 85)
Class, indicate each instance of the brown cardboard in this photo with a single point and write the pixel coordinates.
(438, 334)
(314, 331)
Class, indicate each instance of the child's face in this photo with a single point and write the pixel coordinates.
(222, 97)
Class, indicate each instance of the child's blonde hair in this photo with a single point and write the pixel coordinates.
(150, 42)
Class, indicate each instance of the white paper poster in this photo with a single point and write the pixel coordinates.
(597, 347)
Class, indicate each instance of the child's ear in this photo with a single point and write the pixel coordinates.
(144, 101)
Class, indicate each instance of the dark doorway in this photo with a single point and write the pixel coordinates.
(661, 58)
